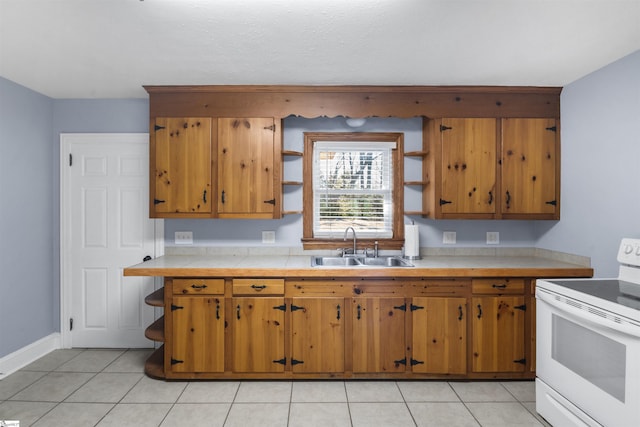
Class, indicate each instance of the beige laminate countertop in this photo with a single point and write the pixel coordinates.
(300, 266)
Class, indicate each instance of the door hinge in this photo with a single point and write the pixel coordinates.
(416, 307)
(176, 361)
(282, 361)
(70, 159)
(415, 362)
(552, 202)
(296, 362)
(400, 362)
(552, 128)
(402, 307)
(520, 361)
(71, 324)
(522, 307)
(296, 308)
(445, 202)
(272, 127)
(157, 127)
(282, 307)
(176, 307)
(443, 128)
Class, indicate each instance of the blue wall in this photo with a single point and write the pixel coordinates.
(600, 196)
(27, 291)
(289, 229)
(600, 165)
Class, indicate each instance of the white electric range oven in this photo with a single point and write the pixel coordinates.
(588, 347)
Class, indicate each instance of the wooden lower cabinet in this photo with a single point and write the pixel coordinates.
(197, 336)
(498, 333)
(258, 334)
(223, 328)
(317, 335)
(378, 334)
(439, 339)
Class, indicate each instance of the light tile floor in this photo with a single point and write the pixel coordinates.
(108, 388)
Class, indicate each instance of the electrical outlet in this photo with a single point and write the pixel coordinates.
(493, 237)
(183, 237)
(449, 237)
(268, 237)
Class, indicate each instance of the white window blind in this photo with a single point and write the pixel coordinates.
(353, 187)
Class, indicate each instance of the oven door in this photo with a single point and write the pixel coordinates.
(590, 360)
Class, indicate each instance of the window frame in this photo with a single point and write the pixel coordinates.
(309, 241)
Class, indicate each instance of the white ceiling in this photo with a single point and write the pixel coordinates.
(110, 48)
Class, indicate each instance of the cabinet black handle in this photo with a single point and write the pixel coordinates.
(199, 286)
(218, 311)
(222, 197)
(479, 311)
(338, 314)
(459, 312)
(490, 197)
(204, 196)
(258, 287)
(238, 311)
(358, 312)
(501, 286)
(508, 198)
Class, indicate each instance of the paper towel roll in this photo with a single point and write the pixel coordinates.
(411, 241)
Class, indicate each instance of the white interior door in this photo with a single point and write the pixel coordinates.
(105, 227)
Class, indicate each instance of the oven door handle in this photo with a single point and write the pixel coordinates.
(624, 328)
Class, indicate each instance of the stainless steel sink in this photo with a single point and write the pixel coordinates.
(351, 261)
(387, 261)
(334, 261)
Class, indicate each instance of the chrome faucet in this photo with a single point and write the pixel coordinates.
(355, 241)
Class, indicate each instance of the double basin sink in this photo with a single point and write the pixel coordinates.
(359, 261)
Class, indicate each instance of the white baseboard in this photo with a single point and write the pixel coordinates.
(26, 355)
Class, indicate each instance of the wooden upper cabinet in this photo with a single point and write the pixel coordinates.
(486, 168)
(180, 153)
(468, 166)
(530, 168)
(247, 168)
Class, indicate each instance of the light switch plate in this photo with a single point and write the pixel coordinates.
(449, 237)
(268, 237)
(493, 237)
(183, 237)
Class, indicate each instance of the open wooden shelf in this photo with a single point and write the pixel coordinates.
(291, 182)
(416, 213)
(416, 154)
(154, 365)
(292, 153)
(155, 299)
(155, 331)
(416, 182)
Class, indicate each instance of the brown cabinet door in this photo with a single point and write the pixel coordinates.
(498, 334)
(378, 334)
(468, 166)
(245, 166)
(181, 163)
(317, 335)
(439, 335)
(530, 166)
(197, 339)
(258, 334)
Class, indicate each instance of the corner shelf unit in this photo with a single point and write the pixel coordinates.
(154, 365)
(420, 154)
(292, 153)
